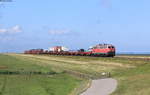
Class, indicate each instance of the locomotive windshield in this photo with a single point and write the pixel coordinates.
(111, 47)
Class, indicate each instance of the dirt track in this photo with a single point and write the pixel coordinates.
(101, 87)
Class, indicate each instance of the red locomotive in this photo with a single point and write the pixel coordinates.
(106, 50)
(103, 50)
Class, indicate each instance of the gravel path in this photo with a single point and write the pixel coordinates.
(101, 87)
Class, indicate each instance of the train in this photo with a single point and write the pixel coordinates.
(100, 50)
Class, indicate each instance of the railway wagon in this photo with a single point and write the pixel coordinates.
(34, 51)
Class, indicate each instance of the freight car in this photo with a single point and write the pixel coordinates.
(106, 50)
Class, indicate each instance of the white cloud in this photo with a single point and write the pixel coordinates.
(14, 29)
(59, 32)
(3, 30)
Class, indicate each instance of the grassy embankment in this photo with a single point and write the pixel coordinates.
(133, 74)
(58, 84)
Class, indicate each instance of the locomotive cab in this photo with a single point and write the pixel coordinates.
(111, 51)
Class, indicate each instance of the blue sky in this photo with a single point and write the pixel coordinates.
(27, 24)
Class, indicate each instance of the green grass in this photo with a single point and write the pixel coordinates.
(132, 73)
(58, 84)
(13, 64)
(61, 84)
(89, 65)
(133, 81)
